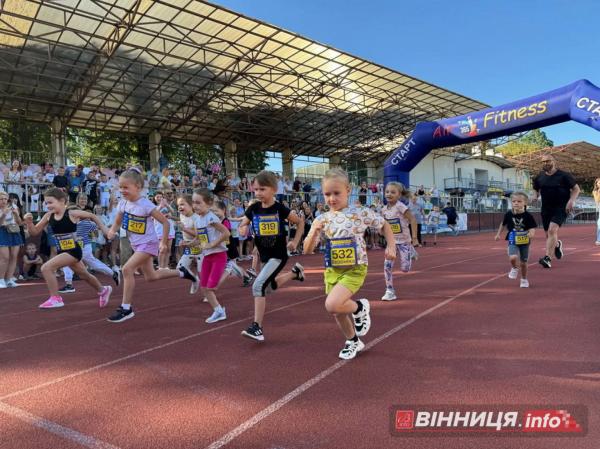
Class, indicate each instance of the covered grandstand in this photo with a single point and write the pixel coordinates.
(192, 70)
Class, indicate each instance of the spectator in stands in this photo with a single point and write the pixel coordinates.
(153, 181)
(74, 185)
(31, 262)
(307, 189)
(49, 173)
(421, 192)
(297, 186)
(435, 196)
(15, 178)
(243, 187)
(60, 180)
(90, 188)
(163, 162)
(596, 194)
(416, 208)
(10, 240)
(165, 183)
(362, 193)
(280, 189)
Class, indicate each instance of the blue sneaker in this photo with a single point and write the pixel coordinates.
(217, 315)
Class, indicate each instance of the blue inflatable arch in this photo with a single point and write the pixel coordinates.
(579, 101)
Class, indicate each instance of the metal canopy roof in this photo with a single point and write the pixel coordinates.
(196, 71)
(582, 159)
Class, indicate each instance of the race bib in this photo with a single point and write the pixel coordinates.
(518, 237)
(134, 223)
(203, 236)
(66, 242)
(395, 225)
(340, 252)
(266, 225)
(191, 250)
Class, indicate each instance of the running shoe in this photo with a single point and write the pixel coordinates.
(194, 287)
(12, 284)
(68, 288)
(53, 302)
(251, 272)
(3, 283)
(255, 332)
(117, 276)
(104, 296)
(351, 348)
(513, 273)
(390, 295)
(362, 319)
(217, 315)
(298, 270)
(545, 262)
(524, 283)
(247, 280)
(121, 315)
(558, 251)
(597, 243)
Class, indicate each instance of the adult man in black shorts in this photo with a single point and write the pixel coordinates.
(559, 192)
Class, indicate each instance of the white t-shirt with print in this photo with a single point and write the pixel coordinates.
(143, 208)
(205, 224)
(395, 214)
(352, 221)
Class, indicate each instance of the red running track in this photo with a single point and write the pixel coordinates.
(69, 379)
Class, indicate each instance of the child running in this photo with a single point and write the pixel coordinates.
(133, 215)
(211, 236)
(520, 225)
(190, 223)
(346, 257)
(399, 217)
(85, 228)
(232, 268)
(63, 223)
(268, 217)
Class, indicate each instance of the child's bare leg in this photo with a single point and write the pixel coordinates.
(339, 303)
(514, 261)
(523, 270)
(82, 272)
(50, 267)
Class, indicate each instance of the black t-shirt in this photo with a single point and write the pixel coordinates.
(555, 189)
(518, 222)
(60, 181)
(270, 222)
(90, 187)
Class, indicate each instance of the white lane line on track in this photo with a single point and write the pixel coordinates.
(91, 442)
(52, 427)
(275, 406)
(183, 339)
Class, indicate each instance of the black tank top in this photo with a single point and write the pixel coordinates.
(64, 225)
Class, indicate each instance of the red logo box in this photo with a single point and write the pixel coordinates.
(404, 419)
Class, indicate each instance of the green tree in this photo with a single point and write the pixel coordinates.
(532, 141)
(537, 137)
(251, 162)
(27, 141)
(181, 154)
(85, 146)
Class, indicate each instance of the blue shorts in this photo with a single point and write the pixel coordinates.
(519, 250)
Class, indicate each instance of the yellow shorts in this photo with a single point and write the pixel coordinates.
(351, 278)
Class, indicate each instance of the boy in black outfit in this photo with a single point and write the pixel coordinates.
(267, 218)
(520, 225)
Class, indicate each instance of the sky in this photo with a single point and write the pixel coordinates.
(492, 51)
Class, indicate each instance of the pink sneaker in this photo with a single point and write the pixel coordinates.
(53, 302)
(104, 296)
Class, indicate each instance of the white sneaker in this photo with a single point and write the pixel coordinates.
(597, 243)
(194, 287)
(390, 295)
(217, 315)
(524, 283)
(12, 284)
(3, 283)
(514, 272)
(351, 348)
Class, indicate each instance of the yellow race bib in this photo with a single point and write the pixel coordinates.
(266, 225)
(395, 225)
(134, 223)
(340, 252)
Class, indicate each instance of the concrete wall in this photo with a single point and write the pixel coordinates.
(432, 170)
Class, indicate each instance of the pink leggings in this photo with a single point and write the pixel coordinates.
(213, 266)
